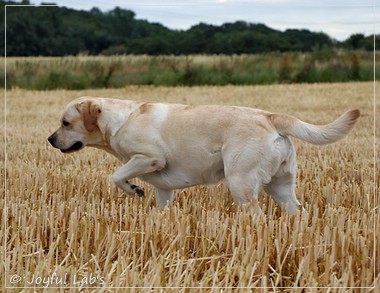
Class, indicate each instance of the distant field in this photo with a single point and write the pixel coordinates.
(67, 221)
(82, 72)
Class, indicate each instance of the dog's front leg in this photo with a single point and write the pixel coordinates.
(163, 197)
(136, 166)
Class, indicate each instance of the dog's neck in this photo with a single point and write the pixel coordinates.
(114, 116)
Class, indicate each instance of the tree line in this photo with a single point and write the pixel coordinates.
(61, 31)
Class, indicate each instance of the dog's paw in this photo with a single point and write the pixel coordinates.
(138, 190)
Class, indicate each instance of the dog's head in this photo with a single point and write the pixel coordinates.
(79, 126)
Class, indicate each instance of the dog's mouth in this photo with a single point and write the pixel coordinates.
(75, 147)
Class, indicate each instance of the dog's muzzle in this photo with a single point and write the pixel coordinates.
(75, 147)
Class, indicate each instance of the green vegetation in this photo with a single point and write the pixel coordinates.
(113, 49)
(59, 31)
(82, 72)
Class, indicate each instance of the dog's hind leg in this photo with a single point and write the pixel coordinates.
(282, 190)
(244, 188)
(282, 185)
(243, 173)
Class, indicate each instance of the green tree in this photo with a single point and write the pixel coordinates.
(59, 31)
(355, 41)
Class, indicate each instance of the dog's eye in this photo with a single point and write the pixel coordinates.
(65, 123)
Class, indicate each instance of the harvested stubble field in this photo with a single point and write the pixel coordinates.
(67, 225)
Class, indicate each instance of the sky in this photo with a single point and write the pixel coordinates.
(338, 18)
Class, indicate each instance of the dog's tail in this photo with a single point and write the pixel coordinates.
(289, 125)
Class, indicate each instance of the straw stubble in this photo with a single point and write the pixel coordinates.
(65, 216)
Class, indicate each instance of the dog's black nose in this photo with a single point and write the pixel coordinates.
(51, 139)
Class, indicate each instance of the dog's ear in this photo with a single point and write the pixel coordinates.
(90, 111)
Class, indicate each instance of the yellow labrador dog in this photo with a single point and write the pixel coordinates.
(174, 146)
